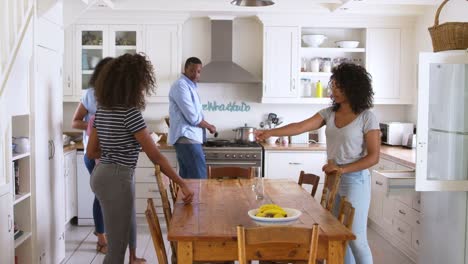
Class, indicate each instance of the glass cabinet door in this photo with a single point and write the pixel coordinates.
(124, 39)
(92, 50)
(442, 151)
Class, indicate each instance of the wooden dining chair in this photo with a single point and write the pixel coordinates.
(277, 243)
(173, 187)
(166, 209)
(156, 233)
(346, 215)
(309, 178)
(230, 172)
(330, 189)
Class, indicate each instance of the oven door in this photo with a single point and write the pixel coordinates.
(237, 163)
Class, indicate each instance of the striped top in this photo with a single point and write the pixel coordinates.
(115, 128)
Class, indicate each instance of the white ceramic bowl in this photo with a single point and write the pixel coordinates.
(348, 44)
(313, 40)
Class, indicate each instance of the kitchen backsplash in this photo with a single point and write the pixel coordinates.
(232, 105)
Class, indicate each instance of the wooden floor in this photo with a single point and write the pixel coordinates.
(81, 247)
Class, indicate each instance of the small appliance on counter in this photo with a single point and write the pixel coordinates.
(392, 132)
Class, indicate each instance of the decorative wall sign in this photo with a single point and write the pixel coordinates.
(212, 106)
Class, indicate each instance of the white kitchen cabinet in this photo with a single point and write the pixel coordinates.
(288, 165)
(391, 211)
(310, 74)
(145, 182)
(383, 61)
(280, 62)
(442, 142)
(164, 49)
(90, 44)
(48, 156)
(69, 166)
(85, 196)
(6, 229)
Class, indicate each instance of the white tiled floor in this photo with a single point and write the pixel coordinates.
(81, 247)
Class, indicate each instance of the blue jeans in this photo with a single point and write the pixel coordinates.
(356, 186)
(97, 211)
(192, 163)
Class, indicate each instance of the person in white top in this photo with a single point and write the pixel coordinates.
(353, 143)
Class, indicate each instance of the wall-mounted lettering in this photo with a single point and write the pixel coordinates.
(212, 106)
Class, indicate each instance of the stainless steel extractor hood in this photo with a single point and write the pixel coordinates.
(222, 69)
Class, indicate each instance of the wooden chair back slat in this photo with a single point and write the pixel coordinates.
(156, 233)
(230, 172)
(166, 208)
(277, 243)
(330, 189)
(309, 178)
(346, 214)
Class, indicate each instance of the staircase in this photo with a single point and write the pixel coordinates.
(15, 15)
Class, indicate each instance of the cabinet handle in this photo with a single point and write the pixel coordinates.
(417, 241)
(402, 212)
(419, 201)
(295, 163)
(417, 222)
(152, 190)
(401, 230)
(10, 224)
(293, 84)
(68, 82)
(378, 183)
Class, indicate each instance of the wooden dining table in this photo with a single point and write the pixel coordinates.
(205, 230)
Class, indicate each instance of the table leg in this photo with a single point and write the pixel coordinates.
(335, 252)
(184, 252)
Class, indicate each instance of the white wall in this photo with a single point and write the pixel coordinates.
(453, 11)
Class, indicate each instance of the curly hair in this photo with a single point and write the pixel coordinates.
(125, 81)
(356, 84)
(97, 70)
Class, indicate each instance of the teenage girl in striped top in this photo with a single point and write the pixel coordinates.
(118, 135)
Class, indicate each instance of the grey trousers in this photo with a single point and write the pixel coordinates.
(114, 187)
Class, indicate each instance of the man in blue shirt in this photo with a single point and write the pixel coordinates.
(187, 123)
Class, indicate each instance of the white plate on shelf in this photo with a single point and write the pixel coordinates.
(293, 214)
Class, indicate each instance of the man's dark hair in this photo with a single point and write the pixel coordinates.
(97, 70)
(124, 81)
(356, 84)
(192, 60)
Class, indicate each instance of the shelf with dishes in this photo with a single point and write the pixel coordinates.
(331, 50)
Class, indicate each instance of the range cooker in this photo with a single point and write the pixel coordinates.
(228, 153)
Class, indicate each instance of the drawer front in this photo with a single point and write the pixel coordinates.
(146, 190)
(379, 182)
(416, 202)
(402, 231)
(145, 162)
(145, 175)
(404, 213)
(288, 165)
(141, 204)
(416, 241)
(406, 197)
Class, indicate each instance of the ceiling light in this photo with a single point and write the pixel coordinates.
(252, 2)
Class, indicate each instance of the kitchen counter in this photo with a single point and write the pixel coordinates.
(295, 147)
(400, 155)
(79, 146)
(71, 147)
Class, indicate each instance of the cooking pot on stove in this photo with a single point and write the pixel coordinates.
(245, 134)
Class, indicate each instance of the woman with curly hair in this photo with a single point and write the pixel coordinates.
(353, 143)
(118, 134)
